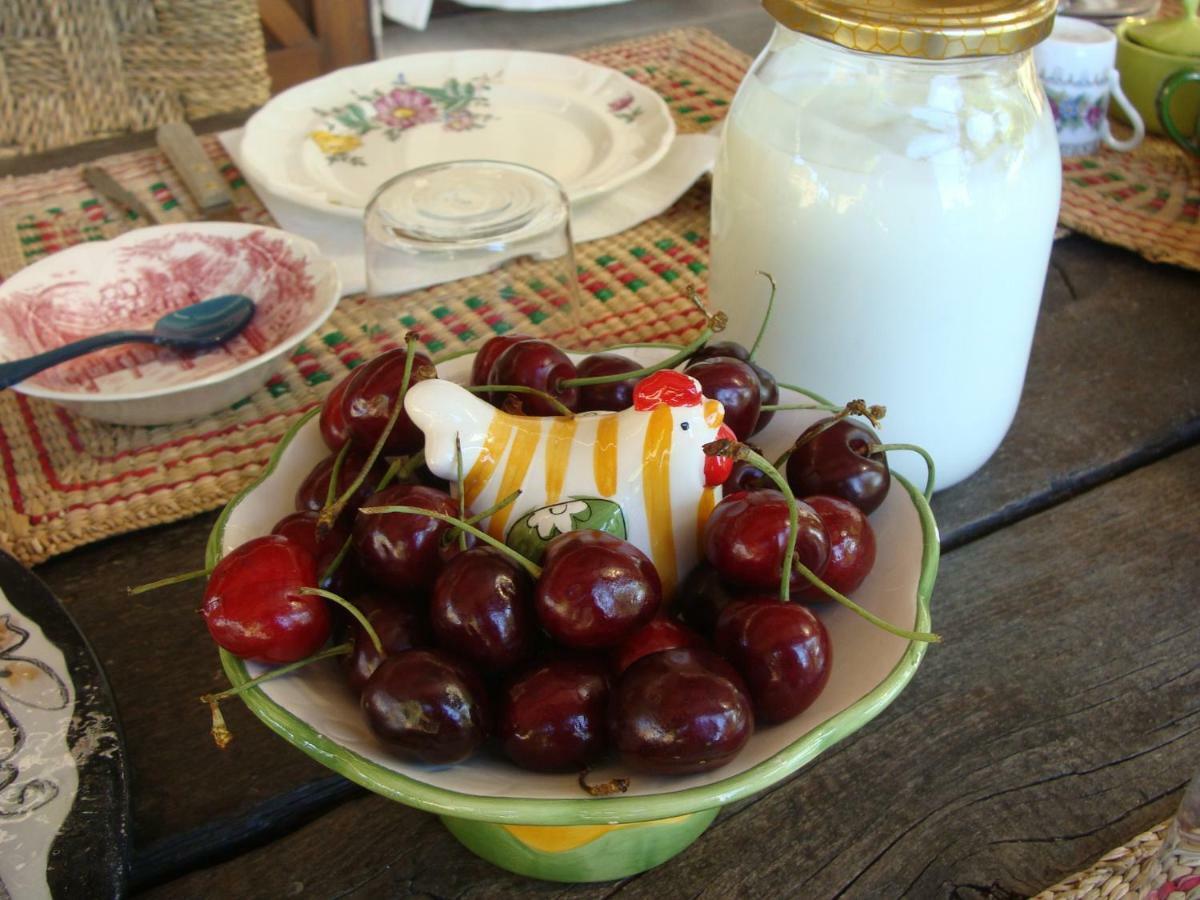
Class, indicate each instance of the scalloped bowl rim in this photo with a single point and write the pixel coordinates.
(585, 810)
(313, 256)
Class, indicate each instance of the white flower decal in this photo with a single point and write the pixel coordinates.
(551, 520)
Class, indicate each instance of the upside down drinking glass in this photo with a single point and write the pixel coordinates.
(474, 246)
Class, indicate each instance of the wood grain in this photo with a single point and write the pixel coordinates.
(1060, 718)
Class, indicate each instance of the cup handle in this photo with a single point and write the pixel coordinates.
(1131, 113)
(1163, 102)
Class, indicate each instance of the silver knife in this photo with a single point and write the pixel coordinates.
(199, 175)
(111, 189)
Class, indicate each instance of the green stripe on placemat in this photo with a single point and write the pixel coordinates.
(65, 481)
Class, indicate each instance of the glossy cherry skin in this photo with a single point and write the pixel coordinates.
(746, 476)
(301, 528)
(314, 489)
(734, 383)
(333, 424)
(768, 395)
(485, 358)
(482, 610)
(851, 546)
(656, 635)
(554, 717)
(615, 395)
(368, 400)
(679, 711)
(714, 349)
(252, 606)
(782, 651)
(836, 462)
(701, 597)
(400, 550)
(425, 707)
(745, 539)
(400, 626)
(595, 589)
(539, 365)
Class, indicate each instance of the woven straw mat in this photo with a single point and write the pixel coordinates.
(66, 481)
(1117, 872)
(76, 70)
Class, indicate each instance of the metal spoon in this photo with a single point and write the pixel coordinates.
(208, 323)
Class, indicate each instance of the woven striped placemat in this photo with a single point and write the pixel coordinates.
(66, 480)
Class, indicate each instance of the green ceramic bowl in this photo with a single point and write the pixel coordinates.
(1143, 72)
(543, 825)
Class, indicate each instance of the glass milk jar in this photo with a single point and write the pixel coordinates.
(903, 196)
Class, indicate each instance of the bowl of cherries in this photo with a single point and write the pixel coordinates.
(569, 708)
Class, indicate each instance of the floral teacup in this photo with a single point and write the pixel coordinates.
(1077, 66)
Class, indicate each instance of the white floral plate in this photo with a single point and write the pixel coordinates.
(329, 143)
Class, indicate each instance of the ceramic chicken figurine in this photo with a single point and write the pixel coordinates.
(640, 473)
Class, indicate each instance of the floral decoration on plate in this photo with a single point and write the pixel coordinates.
(456, 104)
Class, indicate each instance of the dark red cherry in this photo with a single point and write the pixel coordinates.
(485, 358)
(332, 422)
(368, 400)
(314, 489)
(400, 626)
(595, 589)
(746, 536)
(656, 635)
(746, 476)
(781, 649)
(425, 707)
(735, 384)
(614, 395)
(837, 462)
(482, 610)
(400, 550)
(851, 546)
(701, 597)
(553, 718)
(252, 605)
(679, 711)
(539, 365)
(714, 349)
(301, 528)
(768, 395)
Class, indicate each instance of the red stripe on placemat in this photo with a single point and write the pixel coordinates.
(10, 474)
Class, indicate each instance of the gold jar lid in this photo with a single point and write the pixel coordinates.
(918, 29)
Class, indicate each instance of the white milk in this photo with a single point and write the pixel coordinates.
(907, 220)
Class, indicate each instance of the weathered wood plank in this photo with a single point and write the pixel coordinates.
(1060, 718)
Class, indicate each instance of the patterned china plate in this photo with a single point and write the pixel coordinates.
(329, 143)
(64, 805)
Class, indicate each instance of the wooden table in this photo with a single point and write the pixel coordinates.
(1060, 717)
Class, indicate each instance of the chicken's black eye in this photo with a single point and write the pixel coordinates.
(685, 425)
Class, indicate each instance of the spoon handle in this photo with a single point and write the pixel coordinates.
(20, 369)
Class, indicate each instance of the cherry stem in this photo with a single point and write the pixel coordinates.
(350, 608)
(873, 414)
(462, 494)
(811, 395)
(929, 481)
(776, 407)
(603, 788)
(399, 468)
(330, 513)
(923, 636)
(746, 453)
(531, 567)
(762, 329)
(335, 473)
(562, 408)
(166, 582)
(716, 322)
(472, 520)
(220, 732)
